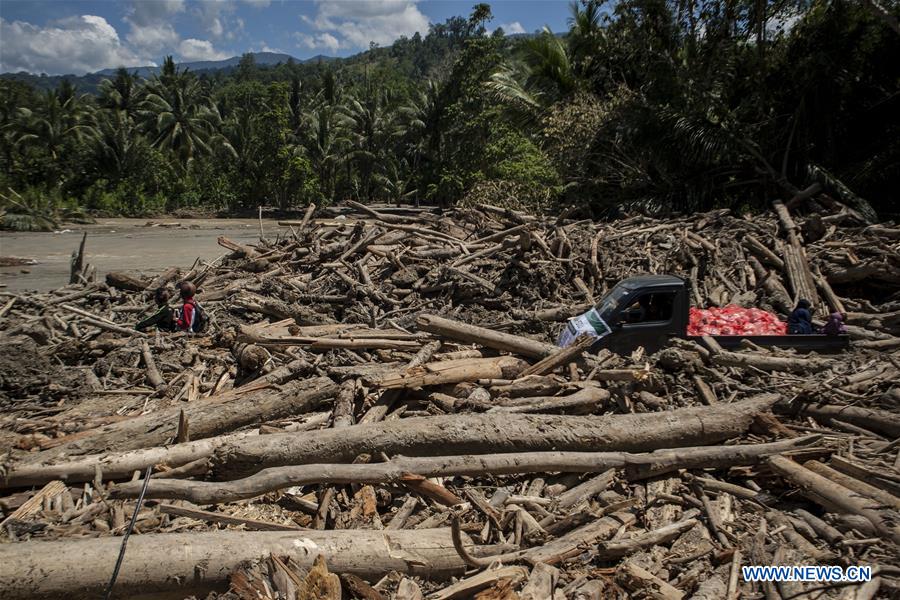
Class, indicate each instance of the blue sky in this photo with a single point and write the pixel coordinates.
(80, 36)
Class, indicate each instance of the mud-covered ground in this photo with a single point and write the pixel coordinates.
(148, 245)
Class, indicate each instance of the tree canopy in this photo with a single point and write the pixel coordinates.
(653, 105)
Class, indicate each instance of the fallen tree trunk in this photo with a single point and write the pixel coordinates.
(240, 250)
(454, 371)
(153, 376)
(796, 262)
(496, 434)
(195, 563)
(209, 417)
(560, 356)
(623, 547)
(464, 332)
(581, 402)
(493, 433)
(569, 544)
(880, 421)
(771, 363)
(164, 278)
(124, 281)
(77, 264)
(637, 466)
(833, 496)
(271, 307)
(852, 483)
(119, 465)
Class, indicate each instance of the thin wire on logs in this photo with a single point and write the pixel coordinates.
(137, 509)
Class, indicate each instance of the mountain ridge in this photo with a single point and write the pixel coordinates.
(261, 58)
(89, 81)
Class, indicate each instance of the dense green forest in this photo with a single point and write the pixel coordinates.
(653, 105)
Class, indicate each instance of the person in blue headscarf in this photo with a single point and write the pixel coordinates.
(800, 319)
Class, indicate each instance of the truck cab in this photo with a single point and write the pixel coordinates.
(645, 311)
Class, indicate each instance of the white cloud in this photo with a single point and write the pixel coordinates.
(153, 38)
(355, 24)
(212, 13)
(149, 12)
(322, 40)
(258, 3)
(88, 43)
(511, 28)
(150, 28)
(216, 27)
(74, 45)
(193, 49)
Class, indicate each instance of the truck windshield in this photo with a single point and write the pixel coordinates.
(608, 305)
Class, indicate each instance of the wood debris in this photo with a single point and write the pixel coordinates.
(379, 411)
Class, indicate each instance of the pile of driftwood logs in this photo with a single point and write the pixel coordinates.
(378, 411)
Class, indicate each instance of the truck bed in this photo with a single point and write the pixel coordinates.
(804, 343)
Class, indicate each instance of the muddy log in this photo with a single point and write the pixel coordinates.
(494, 433)
(239, 250)
(771, 363)
(209, 417)
(77, 263)
(473, 334)
(119, 465)
(153, 376)
(796, 262)
(880, 421)
(454, 371)
(181, 564)
(581, 402)
(270, 307)
(124, 281)
(833, 496)
(636, 466)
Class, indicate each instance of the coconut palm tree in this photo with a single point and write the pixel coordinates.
(585, 37)
(179, 116)
(116, 144)
(323, 135)
(60, 119)
(120, 93)
(421, 124)
(542, 75)
(369, 127)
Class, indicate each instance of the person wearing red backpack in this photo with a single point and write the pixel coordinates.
(187, 320)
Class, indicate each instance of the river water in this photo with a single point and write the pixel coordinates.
(121, 245)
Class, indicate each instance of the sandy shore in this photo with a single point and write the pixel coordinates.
(120, 244)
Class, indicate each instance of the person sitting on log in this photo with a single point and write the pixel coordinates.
(835, 324)
(164, 317)
(193, 318)
(800, 320)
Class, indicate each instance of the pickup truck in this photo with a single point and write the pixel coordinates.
(649, 310)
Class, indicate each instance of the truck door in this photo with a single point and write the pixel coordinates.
(647, 320)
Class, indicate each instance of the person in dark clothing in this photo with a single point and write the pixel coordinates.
(164, 317)
(800, 319)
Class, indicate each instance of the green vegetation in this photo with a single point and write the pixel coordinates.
(656, 105)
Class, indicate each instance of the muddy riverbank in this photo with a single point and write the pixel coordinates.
(120, 245)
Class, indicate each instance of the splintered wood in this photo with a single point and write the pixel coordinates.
(378, 411)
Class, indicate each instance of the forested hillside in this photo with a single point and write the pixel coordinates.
(654, 105)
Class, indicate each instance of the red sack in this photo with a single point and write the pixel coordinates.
(733, 320)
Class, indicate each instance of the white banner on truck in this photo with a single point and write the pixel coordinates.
(590, 323)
